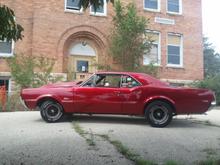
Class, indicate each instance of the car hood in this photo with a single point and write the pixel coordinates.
(62, 85)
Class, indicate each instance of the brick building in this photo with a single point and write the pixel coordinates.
(76, 38)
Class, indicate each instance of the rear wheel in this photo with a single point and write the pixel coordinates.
(51, 111)
(159, 114)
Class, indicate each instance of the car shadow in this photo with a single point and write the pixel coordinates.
(128, 120)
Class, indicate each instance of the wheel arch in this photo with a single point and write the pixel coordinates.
(43, 98)
(163, 99)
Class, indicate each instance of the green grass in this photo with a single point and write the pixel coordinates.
(130, 155)
(210, 162)
(210, 151)
(171, 162)
(90, 140)
(126, 152)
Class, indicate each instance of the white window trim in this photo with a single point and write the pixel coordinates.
(72, 10)
(159, 46)
(8, 54)
(9, 85)
(152, 10)
(181, 51)
(180, 9)
(97, 13)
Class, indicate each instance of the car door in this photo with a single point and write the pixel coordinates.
(131, 93)
(100, 94)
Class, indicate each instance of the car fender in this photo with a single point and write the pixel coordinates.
(54, 97)
(151, 99)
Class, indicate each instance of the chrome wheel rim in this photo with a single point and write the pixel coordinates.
(159, 114)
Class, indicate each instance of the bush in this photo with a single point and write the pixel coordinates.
(212, 83)
(29, 71)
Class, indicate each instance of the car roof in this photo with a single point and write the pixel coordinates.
(143, 78)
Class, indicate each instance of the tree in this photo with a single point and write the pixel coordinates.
(129, 41)
(9, 29)
(212, 70)
(211, 59)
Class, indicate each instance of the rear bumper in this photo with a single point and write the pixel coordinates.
(212, 105)
(29, 104)
(23, 103)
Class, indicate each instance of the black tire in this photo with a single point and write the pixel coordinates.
(159, 114)
(51, 111)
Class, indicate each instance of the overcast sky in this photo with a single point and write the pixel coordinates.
(211, 21)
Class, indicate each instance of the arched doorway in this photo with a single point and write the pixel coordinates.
(86, 35)
(82, 60)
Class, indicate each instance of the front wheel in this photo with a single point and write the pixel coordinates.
(51, 111)
(159, 114)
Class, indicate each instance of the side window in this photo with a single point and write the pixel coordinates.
(90, 82)
(129, 82)
(106, 81)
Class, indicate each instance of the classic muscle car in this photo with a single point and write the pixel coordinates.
(123, 93)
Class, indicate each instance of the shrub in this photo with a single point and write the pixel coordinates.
(29, 71)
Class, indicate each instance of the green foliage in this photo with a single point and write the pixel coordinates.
(45, 67)
(128, 39)
(211, 59)
(9, 29)
(22, 70)
(212, 83)
(212, 70)
(209, 162)
(149, 69)
(29, 71)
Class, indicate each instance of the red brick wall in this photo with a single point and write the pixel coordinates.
(49, 30)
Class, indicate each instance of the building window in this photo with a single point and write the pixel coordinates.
(174, 6)
(4, 81)
(174, 50)
(154, 55)
(6, 48)
(101, 10)
(153, 5)
(72, 5)
(82, 66)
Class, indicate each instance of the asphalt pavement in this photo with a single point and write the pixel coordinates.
(26, 139)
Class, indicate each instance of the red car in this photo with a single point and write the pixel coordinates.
(121, 93)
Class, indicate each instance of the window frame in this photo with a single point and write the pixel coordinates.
(107, 74)
(159, 46)
(98, 13)
(181, 50)
(153, 10)
(80, 11)
(180, 8)
(12, 50)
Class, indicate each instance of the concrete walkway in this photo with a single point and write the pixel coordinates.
(211, 117)
(26, 139)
